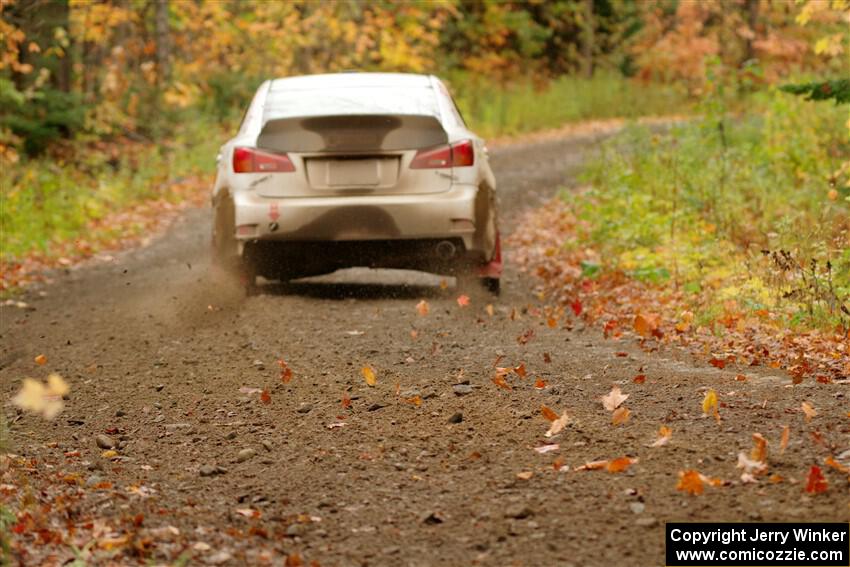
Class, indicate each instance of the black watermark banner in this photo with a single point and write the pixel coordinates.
(758, 545)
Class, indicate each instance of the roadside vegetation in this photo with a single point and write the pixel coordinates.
(728, 232)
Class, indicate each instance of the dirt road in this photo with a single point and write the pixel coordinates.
(167, 360)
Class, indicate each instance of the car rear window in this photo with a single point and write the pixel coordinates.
(351, 101)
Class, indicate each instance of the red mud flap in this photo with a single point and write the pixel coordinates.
(493, 269)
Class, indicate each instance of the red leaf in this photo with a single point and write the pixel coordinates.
(576, 307)
(265, 397)
(816, 482)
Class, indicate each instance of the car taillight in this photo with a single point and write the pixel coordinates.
(252, 160)
(459, 154)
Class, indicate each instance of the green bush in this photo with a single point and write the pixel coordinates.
(754, 208)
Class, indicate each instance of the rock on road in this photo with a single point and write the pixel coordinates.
(170, 361)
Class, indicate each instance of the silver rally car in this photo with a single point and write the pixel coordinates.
(355, 169)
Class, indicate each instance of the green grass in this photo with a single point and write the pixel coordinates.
(46, 201)
(753, 208)
(520, 107)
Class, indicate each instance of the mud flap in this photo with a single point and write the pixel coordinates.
(493, 268)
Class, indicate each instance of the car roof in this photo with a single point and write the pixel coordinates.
(353, 79)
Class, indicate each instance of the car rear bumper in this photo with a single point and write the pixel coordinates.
(448, 215)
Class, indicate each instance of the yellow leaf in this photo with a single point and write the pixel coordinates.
(109, 454)
(525, 475)
(709, 404)
(37, 398)
(369, 375)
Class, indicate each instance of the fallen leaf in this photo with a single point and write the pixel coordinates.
(463, 300)
(816, 482)
(415, 400)
(809, 410)
(613, 399)
(620, 416)
(639, 379)
(369, 375)
(110, 454)
(741, 378)
(525, 475)
(540, 384)
(548, 414)
(717, 362)
(422, 308)
(546, 358)
(551, 322)
(558, 425)
(750, 466)
(783, 442)
(558, 463)
(285, 371)
(499, 380)
(759, 450)
(576, 306)
(547, 448)
(709, 404)
(664, 435)
(525, 337)
(593, 466)
(265, 397)
(520, 370)
(346, 401)
(620, 464)
(489, 309)
(248, 512)
(41, 360)
(830, 461)
(691, 482)
(646, 324)
(46, 400)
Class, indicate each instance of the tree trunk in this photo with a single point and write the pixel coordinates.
(752, 8)
(163, 43)
(588, 39)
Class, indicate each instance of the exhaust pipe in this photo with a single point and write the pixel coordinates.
(446, 250)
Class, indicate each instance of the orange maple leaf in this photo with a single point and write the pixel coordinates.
(691, 482)
(620, 464)
(549, 414)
